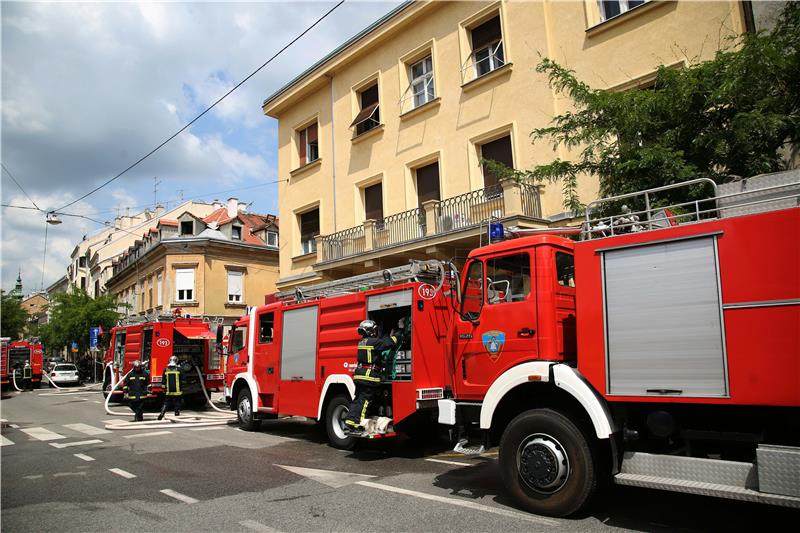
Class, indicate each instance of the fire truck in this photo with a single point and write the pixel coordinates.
(661, 349)
(16, 354)
(4, 366)
(153, 342)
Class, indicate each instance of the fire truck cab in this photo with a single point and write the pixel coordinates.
(191, 340)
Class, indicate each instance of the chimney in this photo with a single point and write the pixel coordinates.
(233, 207)
(216, 205)
(159, 210)
(117, 222)
(148, 214)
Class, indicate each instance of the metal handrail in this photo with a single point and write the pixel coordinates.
(531, 200)
(343, 243)
(470, 209)
(401, 227)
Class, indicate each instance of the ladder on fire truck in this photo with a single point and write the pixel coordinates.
(430, 271)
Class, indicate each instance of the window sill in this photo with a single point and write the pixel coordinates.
(368, 134)
(303, 257)
(621, 18)
(436, 102)
(306, 168)
(231, 305)
(486, 78)
(192, 303)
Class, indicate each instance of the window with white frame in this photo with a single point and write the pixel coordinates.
(160, 281)
(272, 238)
(184, 284)
(308, 144)
(235, 286)
(421, 88)
(236, 233)
(487, 46)
(612, 8)
(309, 229)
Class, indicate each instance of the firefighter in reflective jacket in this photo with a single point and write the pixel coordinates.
(369, 372)
(136, 389)
(173, 381)
(27, 377)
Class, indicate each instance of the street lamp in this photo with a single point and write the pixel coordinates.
(53, 219)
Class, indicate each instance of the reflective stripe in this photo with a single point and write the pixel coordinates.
(365, 378)
(364, 410)
(177, 374)
(394, 339)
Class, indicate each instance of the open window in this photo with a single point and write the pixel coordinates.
(266, 325)
(508, 278)
(487, 46)
(309, 229)
(472, 293)
(369, 116)
(308, 144)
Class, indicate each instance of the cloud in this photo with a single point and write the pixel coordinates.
(89, 88)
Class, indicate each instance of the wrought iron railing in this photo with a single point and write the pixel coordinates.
(343, 243)
(399, 228)
(531, 201)
(470, 209)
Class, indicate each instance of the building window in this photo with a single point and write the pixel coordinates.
(96, 288)
(184, 284)
(612, 8)
(498, 150)
(160, 279)
(236, 233)
(150, 301)
(83, 283)
(308, 144)
(82, 262)
(421, 88)
(428, 183)
(369, 117)
(235, 286)
(487, 46)
(187, 227)
(309, 229)
(272, 238)
(266, 323)
(373, 203)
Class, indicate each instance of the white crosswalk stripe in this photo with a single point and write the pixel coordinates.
(86, 428)
(178, 496)
(76, 443)
(5, 442)
(83, 456)
(123, 473)
(148, 434)
(42, 434)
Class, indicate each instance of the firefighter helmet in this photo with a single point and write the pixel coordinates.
(137, 364)
(173, 361)
(368, 328)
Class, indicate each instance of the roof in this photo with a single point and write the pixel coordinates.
(167, 222)
(339, 50)
(251, 222)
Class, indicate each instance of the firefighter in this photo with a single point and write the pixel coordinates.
(173, 381)
(136, 388)
(27, 377)
(369, 372)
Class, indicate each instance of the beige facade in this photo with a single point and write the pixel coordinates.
(473, 97)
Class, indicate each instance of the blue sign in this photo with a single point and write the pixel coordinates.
(74, 346)
(94, 333)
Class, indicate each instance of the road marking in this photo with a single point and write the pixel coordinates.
(331, 478)
(86, 428)
(63, 474)
(37, 476)
(149, 434)
(97, 401)
(84, 457)
(459, 503)
(123, 473)
(178, 496)
(43, 434)
(64, 393)
(257, 526)
(449, 462)
(76, 443)
(210, 428)
(5, 442)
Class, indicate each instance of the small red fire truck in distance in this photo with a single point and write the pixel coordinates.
(191, 340)
(16, 354)
(4, 366)
(662, 350)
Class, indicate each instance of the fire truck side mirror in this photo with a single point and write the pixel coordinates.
(219, 335)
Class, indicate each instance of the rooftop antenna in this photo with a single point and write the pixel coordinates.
(156, 183)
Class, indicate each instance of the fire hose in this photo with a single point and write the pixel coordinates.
(14, 380)
(76, 389)
(171, 420)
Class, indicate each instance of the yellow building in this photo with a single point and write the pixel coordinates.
(212, 267)
(381, 140)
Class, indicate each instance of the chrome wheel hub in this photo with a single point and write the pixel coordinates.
(542, 463)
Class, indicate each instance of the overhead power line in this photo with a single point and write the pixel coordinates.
(209, 108)
(10, 175)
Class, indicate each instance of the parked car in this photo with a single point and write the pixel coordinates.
(64, 373)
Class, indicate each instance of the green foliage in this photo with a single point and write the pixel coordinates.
(72, 314)
(734, 116)
(13, 317)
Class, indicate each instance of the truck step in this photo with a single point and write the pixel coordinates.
(464, 448)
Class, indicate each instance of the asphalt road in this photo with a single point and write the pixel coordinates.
(62, 470)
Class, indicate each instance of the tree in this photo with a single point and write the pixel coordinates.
(734, 116)
(13, 317)
(71, 316)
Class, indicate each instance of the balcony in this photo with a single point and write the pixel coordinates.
(448, 219)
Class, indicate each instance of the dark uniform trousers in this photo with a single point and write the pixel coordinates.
(27, 378)
(173, 391)
(367, 378)
(136, 387)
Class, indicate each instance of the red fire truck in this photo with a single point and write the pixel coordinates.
(4, 366)
(16, 354)
(662, 350)
(191, 340)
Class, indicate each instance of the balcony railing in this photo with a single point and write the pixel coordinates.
(433, 218)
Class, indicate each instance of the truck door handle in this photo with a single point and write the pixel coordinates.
(526, 332)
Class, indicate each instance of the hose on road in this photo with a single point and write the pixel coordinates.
(14, 381)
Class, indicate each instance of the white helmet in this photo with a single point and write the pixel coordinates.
(368, 328)
(173, 361)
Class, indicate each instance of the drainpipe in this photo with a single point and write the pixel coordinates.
(333, 155)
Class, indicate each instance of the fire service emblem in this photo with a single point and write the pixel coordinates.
(493, 342)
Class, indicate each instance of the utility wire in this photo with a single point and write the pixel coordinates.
(10, 175)
(209, 108)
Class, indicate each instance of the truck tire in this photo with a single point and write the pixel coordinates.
(334, 423)
(547, 464)
(244, 411)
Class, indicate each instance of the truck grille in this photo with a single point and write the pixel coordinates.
(430, 394)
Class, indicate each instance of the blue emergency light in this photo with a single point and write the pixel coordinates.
(496, 232)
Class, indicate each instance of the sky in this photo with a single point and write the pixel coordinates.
(88, 88)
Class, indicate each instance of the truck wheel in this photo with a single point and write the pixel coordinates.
(244, 411)
(547, 464)
(334, 423)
